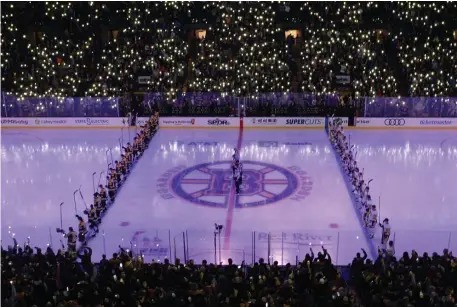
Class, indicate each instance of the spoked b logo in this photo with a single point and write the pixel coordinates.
(397, 122)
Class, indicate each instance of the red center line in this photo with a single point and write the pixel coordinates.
(231, 201)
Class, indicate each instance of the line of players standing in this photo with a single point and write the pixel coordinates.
(106, 195)
(360, 188)
(237, 170)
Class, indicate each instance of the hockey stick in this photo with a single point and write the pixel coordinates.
(107, 174)
(93, 181)
(122, 134)
(81, 194)
(368, 184)
(61, 223)
(128, 128)
(106, 153)
(74, 199)
(352, 147)
(111, 153)
(379, 205)
(100, 178)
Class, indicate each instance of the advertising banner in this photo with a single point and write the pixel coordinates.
(260, 121)
(286, 122)
(304, 122)
(176, 121)
(199, 122)
(141, 121)
(94, 121)
(64, 122)
(406, 123)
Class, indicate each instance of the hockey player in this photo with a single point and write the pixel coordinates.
(369, 203)
(366, 216)
(358, 174)
(373, 221)
(331, 129)
(356, 181)
(111, 189)
(82, 230)
(98, 207)
(118, 171)
(135, 147)
(366, 190)
(92, 218)
(390, 250)
(238, 176)
(235, 159)
(236, 155)
(103, 196)
(385, 231)
(71, 240)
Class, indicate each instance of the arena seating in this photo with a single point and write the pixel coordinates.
(96, 49)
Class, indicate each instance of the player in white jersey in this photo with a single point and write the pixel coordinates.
(238, 176)
(366, 190)
(373, 220)
(385, 231)
(390, 249)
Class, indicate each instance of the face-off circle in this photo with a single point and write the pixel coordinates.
(210, 184)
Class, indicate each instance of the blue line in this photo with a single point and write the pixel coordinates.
(371, 247)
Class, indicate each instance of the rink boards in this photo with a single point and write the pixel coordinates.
(231, 122)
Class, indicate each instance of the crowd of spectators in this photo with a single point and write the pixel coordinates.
(406, 280)
(37, 278)
(242, 53)
(100, 49)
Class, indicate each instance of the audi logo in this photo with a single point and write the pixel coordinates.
(394, 122)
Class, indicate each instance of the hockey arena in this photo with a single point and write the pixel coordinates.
(294, 197)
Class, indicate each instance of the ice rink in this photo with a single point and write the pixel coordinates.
(415, 174)
(293, 195)
(41, 169)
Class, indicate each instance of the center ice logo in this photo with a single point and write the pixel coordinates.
(210, 184)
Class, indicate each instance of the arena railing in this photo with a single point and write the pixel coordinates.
(182, 104)
(248, 246)
(410, 107)
(283, 246)
(223, 104)
(59, 107)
